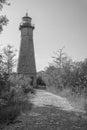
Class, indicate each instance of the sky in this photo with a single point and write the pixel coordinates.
(58, 23)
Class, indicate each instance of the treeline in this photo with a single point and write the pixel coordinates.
(64, 73)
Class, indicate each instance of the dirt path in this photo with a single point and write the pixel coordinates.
(43, 98)
(50, 112)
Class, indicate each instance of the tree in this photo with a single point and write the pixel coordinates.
(1, 64)
(60, 71)
(60, 58)
(3, 18)
(9, 60)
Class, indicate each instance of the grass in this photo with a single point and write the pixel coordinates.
(77, 101)
(49, 118)
(9, 112)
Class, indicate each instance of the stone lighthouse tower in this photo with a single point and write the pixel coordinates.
(26, 62)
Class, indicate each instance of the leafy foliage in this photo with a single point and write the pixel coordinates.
(65, 73)
(40, 81)
(7, 59)
(3, 19)
(13, 96)
(21, 82)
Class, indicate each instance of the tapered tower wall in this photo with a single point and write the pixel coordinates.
(26, 62)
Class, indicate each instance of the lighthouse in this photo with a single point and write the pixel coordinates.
(26, 62)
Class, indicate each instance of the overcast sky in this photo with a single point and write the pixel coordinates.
(58, 23)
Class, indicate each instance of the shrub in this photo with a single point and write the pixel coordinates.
(15, 100)
(8, 113)
(40, 81)
(21, 82)
(28, 89)
(4, 84)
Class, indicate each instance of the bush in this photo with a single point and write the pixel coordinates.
(4, 84)
(28, 89)
(15, 100)
(71, 75)
(21, 82)
(40, 81)
(8, 113)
